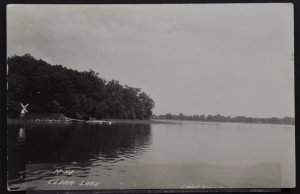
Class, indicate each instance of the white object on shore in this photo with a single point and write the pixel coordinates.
(24, 110)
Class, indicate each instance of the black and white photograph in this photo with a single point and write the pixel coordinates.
(150, 96)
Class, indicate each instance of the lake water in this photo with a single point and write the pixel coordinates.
(157, 156)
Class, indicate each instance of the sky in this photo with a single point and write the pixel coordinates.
(228, 59)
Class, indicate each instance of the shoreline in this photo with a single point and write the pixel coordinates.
(128, 121)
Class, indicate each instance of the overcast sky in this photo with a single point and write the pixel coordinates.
(233, 59)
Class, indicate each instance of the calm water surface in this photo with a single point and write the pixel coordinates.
(139, 156)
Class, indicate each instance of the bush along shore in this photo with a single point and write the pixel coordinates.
(53, 118)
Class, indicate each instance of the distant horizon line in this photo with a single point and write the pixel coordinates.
(227, 116)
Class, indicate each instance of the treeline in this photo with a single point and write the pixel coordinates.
(81, 95)
(220, 118)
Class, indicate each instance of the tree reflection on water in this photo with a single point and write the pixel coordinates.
(79, 143)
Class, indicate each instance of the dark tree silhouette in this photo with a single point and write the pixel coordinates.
(81, 95)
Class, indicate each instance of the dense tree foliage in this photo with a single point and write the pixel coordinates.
(220, 118)
(57, 89)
